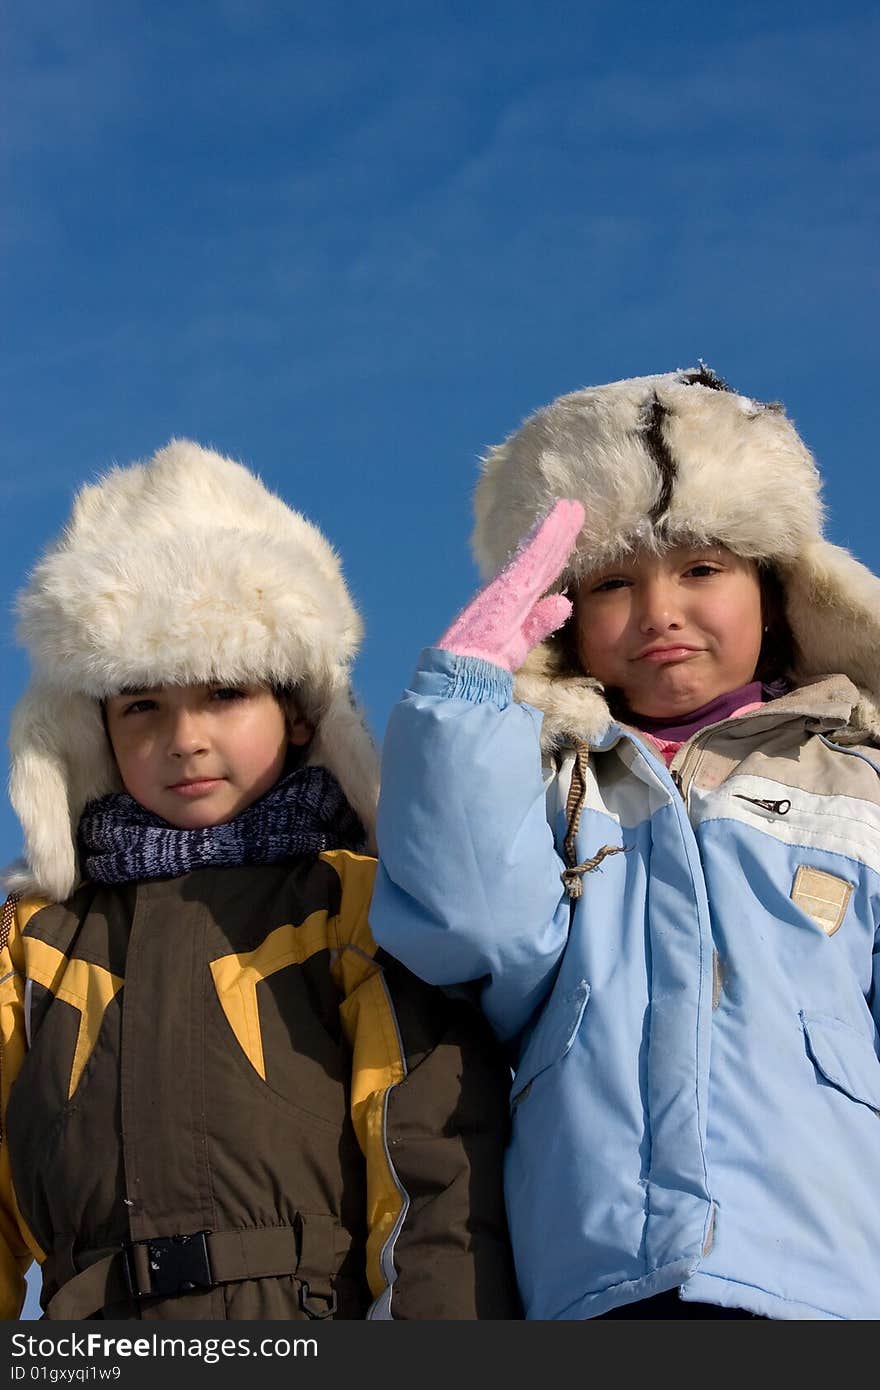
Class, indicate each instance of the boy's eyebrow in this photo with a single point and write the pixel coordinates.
(137, 690)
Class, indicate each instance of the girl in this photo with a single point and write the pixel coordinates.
(219, 1099)
(658, 855)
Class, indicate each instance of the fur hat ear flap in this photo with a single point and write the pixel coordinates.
(60, 758)
(833, 610)
(344, 746)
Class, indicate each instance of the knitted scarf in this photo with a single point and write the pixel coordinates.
(304, 813)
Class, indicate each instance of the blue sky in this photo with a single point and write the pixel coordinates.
(353, 245)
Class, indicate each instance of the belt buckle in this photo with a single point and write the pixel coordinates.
(175, 1264)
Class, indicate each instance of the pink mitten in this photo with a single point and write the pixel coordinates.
(509, 617)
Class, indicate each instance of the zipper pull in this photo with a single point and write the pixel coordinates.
(676, 779)
(779, 808)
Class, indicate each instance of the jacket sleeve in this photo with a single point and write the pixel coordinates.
(429, 1104)
(17, 1249)
(469, 882)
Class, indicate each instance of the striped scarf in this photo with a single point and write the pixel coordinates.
(304, 813)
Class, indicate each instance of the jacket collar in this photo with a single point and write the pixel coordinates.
(574, 706)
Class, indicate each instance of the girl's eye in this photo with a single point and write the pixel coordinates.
(228, 692)
(703, 570)
(607, 586)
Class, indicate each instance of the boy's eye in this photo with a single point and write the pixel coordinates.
(139, 707)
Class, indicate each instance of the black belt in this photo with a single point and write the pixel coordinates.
(166, 1266)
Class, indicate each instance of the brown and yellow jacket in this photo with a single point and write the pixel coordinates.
(220, 1100)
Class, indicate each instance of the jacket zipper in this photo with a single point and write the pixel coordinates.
(683, 775)
(781, 808)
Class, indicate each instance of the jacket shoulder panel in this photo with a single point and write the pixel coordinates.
(356, 873)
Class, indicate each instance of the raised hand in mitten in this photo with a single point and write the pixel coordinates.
(509, 617)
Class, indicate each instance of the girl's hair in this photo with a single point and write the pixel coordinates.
(776, 659)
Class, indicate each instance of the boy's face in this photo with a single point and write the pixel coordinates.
(197, 755)
(671, 631)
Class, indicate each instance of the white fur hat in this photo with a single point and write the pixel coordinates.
(179, 570)
(663, 459)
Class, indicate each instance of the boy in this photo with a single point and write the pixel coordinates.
(220, 1101)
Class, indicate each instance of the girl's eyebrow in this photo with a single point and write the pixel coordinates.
(129, 690)
(690, 546)
(712, 552)
(598, 575)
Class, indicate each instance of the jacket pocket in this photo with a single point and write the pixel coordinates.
(844, 1056)
(554, 1034)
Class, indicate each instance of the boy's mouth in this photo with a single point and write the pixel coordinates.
(196, 786)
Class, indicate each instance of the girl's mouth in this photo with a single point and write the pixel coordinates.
(659, 656)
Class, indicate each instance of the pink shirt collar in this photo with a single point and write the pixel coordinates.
(669, 736)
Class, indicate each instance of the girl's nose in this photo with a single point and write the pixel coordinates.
(660, 609)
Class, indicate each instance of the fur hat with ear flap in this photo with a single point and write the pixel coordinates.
(180, 570)
(670, 459)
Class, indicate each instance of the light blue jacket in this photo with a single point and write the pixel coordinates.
(697, 1080)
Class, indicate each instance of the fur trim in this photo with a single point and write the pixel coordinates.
(742, 476)
(343, 745)
(572, 703)
(672, 458)
(175, 571)
(833, 608)
(187, 569)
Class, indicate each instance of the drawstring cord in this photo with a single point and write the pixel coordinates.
(572, 876)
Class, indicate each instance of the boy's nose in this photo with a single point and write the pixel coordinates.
(185, 736)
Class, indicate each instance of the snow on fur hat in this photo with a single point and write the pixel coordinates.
(179, 570)
(680, 457)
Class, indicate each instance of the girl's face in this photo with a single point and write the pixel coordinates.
(671, 631)
(197, 755)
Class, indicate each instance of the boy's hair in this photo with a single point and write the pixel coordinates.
(180, 570)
